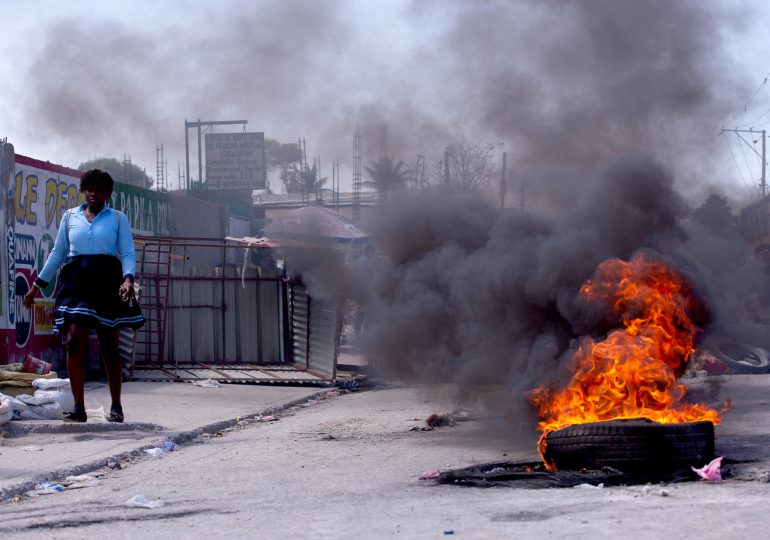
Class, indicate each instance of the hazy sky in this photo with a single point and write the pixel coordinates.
(560, 83)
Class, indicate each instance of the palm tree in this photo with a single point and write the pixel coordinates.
(310, 182)
(386, 176)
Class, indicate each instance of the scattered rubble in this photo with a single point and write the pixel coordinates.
(448, 419)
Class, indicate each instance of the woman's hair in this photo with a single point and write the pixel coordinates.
(96, 178)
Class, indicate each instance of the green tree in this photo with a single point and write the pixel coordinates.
(386, 176)
(310, 181)
(284, 159)
(121, 171)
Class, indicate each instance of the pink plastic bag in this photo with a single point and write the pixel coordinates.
(711, 472)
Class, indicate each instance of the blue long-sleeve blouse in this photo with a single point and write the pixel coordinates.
(108, 234)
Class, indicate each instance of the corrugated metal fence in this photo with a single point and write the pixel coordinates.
(243, 322)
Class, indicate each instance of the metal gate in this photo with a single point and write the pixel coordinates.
(225, 310)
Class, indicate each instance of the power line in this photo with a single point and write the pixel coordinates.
(751, 123)
(746, 106)
(737, 167)
(749, 145)
(745, 159)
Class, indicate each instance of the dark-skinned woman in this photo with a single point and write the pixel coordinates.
(95, 288)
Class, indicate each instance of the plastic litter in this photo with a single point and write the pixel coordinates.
(169, 446)
(51, 487)
(429, 475)
(711, 472)
(81, 481)
(155, 452)
(207, 383)
(50, 399)
(35, 365)
(589, 486)
(6, 412)
(140, 501)
(32, 448)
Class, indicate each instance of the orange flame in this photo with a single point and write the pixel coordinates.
(633, 372)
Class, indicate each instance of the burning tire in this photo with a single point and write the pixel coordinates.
(638, 446)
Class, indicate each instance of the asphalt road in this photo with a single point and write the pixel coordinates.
(348, 467)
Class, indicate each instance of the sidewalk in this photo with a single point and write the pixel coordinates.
(33, 451)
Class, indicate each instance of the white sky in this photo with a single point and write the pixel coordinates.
(371, 50)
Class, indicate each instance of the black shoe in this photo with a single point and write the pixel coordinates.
(116, 414)
(77, 415)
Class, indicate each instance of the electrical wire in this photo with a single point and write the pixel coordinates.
(752, 122)
(746, 106)
(737, 167)
(750, 146)
(745, 159)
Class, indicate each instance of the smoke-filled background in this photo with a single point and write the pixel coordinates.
(554, 83)
(609, 111)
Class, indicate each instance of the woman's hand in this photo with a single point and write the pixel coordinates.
(29, 298)
(126, 290)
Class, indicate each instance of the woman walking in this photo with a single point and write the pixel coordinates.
(95, 289)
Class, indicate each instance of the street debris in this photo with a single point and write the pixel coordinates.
(207, 383)
(50, 398)
(429, 475)
(140, 501)
(6, 412)
(115, 465)
(45, 488)
(169, 446)
(589, 486)
(32, 448)
(81, 481)
(448, 419)
(711, 472)
(164, 448)
(652, 490)
(257, 420)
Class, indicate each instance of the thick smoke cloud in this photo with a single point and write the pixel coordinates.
(597, 102)
(476, 295)
(564, 86)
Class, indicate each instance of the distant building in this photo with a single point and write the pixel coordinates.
(755, 222)
(269, 206)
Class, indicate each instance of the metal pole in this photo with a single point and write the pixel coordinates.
(503, 184)
(200, 157)
(764, 159)
(186, 158)
(446, 166)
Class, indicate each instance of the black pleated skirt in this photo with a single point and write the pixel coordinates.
(87, 293)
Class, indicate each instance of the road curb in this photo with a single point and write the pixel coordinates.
(179, 437)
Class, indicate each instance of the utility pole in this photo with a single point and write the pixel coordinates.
(503, 183)
(762, 156)
(199, 124)
(446, 166)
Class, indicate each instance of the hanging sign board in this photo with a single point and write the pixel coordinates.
(235, 161)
